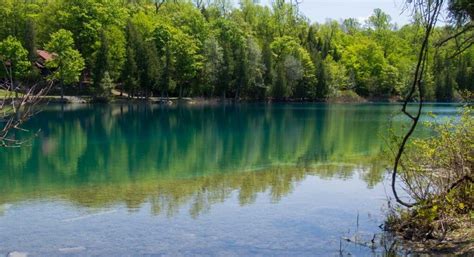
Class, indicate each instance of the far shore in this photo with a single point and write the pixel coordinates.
(212, 101)
(206, 100)
(342, 97)
(116, 99)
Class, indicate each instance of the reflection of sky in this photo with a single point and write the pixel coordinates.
(94, 201)
(308, 222)
(320, 10)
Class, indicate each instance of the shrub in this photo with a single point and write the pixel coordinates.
(437, 173)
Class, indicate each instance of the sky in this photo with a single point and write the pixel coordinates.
(320, 10)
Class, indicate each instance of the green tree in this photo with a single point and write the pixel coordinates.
(256, 70)
(86, 19)
(130, 73)
(101, 64)
(213, 60)
(379, 20)
(179, 47)
(30, 39)
(130, 79)
(336, 75)
(106, 86)
(67, 63)
(374, 76)
(294, 67)
(14, 59)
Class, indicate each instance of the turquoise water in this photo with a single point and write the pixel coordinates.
(224, 180)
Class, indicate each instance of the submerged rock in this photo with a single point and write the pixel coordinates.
(17, 254)
(72, 249)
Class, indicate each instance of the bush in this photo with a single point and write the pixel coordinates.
(105, 87)
(437, 173)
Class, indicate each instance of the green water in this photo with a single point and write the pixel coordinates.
(251, 179)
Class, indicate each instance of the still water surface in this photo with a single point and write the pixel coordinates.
(233, 180)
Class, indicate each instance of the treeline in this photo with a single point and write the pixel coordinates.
(215, 49)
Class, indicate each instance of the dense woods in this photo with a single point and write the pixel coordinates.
(218, 49)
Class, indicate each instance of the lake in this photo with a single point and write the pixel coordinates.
(222, 180)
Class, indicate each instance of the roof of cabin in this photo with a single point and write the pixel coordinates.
(45, 55)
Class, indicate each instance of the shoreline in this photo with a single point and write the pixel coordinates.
(212, 101)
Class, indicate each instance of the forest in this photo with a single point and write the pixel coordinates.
(199, 48)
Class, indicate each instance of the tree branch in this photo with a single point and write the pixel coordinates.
(431, 19)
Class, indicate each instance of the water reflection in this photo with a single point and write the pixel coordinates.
(96, 156)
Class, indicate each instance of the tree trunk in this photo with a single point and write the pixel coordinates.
(237, 93)
(62, 90)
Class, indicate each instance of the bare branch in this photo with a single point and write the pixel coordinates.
(16, 109)
(455, 36)
(430, 12)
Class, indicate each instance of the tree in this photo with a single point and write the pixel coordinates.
(379, 20)
(151, 67)
(188, 61)
(366, 59)
(130, 79)
(30, 39)
(231, 39)
(431, 11)
(67, 63)
(167, 48)
(336, 75)
(106, 85)
(224, 6)
(14, 58)
(86, 19)
(110, 55)
(213, 60)
(101, 64)
(295, 63)
(15, 109)
(351, 26)
(380, 30)
(256, 70)
(130, 72)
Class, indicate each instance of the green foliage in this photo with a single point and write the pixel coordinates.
(336, 76)
(255, 51)
(130, 75)
(106, 85)
(213, 60)
(437, 173)
(365, 58)
(14, 58)
(379, 20)
(294, 67)
(110, 55)
(67, 62)
(86, 19)
(461, 11)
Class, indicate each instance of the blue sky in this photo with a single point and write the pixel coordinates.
(320, 10)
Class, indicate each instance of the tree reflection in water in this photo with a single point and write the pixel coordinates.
(98, 156)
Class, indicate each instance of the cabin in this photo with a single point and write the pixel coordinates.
(42, 57)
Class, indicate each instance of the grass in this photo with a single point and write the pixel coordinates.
(5, 93)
